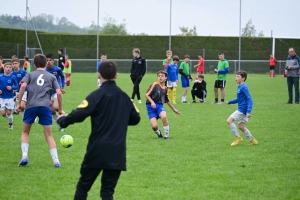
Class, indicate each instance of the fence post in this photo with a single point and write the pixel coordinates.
(279, 72)
(235, 66)
(146, 66)
(18, 47)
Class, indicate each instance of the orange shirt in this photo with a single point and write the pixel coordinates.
(273, 61)
(201, 64)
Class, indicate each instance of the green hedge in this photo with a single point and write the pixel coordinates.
(152, 47)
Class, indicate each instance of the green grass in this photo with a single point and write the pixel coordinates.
(197, 162)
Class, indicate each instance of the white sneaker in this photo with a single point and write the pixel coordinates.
(139, 101)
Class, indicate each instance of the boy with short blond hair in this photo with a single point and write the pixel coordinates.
(167, 61)
(241, 115)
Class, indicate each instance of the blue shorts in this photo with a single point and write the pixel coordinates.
(154, 112)
(185, 82)
(44, 114)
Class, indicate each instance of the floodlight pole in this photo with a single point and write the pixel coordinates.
(98, 33)
(240, 36)
(26, 29)
(170, 24)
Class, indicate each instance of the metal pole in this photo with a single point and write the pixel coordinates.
(26, 29)
(98, 33)
(37, 37)
(240, 36)
(170, 24)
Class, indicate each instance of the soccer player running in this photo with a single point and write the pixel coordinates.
(40, 85)
(157, 95)
(222, 70)
(106, 148)
(138, 70)
(8, 83)
(103, 57)
(57, 72)
(245, 103)
(19, 74)
(172, 70)
(184, 70)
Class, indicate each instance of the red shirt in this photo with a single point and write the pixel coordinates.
(273, 61)
(67, 64)
(200, 65)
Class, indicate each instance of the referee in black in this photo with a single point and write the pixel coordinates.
(61, 58)
(111, 112)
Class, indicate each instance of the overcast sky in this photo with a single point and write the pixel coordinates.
(211, 17)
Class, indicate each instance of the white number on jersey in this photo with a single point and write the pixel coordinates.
(40, 81)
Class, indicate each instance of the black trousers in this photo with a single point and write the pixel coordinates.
(88, 176)
(136, 87)
(200, 94)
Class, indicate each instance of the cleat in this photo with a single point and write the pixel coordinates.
(253, 142)
(139, 101)
(10, 127)
(159, 134)
(289, 102)
(194, 101)
(23, 162)
(166, 137)
(221, 102)
(237, 140)
(15, 113)
(131, 100)
(61, 129)
(184, 102)
(214, 102)
(57, 165)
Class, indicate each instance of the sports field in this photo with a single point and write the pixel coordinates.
(197, 162)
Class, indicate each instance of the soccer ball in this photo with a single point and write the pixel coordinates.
(66, 141)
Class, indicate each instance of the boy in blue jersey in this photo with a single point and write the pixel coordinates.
(172, 70)
(57, 72)
(245, 103)
(157, 95)
(103, 57)
(8, 83)
(40, 85)
(19, 74)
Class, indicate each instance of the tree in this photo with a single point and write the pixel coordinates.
(250, 31)
(185, 31)
(111, 27)
(93, 28)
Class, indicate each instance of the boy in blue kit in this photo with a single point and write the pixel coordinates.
(19, 74)
(245, 103)
(157, 95)
(57, 72)
(8, 83)
(184, 70)
(40, 85)
(172, 70)
(103, 57)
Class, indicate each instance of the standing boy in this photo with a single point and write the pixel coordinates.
(222, 70)
(19, 74)
(57, 72)
(157, 95)
(103, 57)
(200, 65)
(138, 70)
(41, 84)
(26, 65)
(106, 149)
(199, 89)
(244, 101)
(184, 70)
(273, 62)
(8, 83)
(61, 58)
(167, 61)
(68, 69)
(172, 70)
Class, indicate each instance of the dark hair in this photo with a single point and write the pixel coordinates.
(103, 54)
(50, 56)
(162, 72)
(221, 53)
(186, 56)
(243, 74)
(176, 58)
(7, 63)
(26, 58)
(61, 50)
(40, 60)
(200, 54)
(15, 59)
(108, 69)
(201, 76)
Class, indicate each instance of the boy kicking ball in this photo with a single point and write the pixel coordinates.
(156, 96)
(245, 103)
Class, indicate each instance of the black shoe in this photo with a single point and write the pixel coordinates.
(15, 113)
(194, 101)
(166, 138)
(289, 102)
(183, 102)
(159, 134)
(296, 102)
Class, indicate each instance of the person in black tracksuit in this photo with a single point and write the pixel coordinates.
(111, 112)
(138, 70)
(199, 89)
(61, 59)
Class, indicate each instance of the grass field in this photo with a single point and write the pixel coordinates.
(197, 162)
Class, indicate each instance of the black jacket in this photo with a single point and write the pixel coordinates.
(111, 112)
(61, 59)
(138, 67)
(200, 86)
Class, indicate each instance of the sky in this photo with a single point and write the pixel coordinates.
(211, 17)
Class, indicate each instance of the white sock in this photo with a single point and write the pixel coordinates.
(24, 147)
(248, 134)
(182, 98)
(55, 117)
(166, 129)
(234, 129)
(10, 118)
(54, 155)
